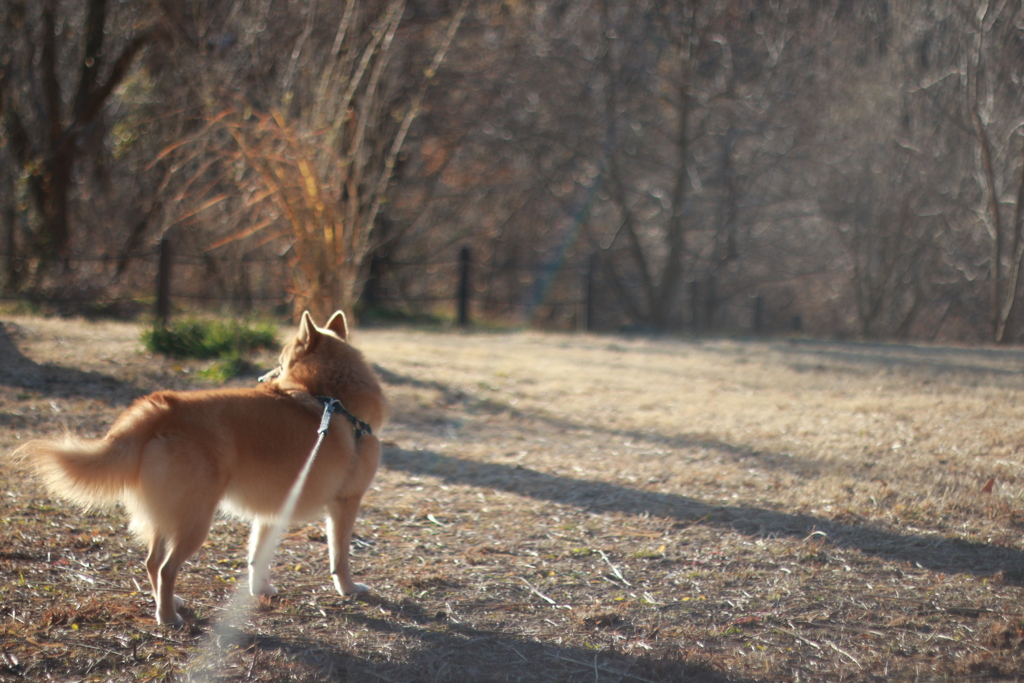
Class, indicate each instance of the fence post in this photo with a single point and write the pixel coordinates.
(710, 302)
(464, 262)
(694, 305)
(163, 283)
(244, 291)
(589, 287)
(11, 264)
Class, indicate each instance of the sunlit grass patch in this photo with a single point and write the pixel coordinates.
(202, 339)
(226, 341)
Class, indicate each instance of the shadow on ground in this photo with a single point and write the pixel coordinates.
(451, 396)
(20, 372)
(950, 364)
(750, 457)
(931, 552)
(425, 650)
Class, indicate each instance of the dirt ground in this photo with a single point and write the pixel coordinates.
(565, 508)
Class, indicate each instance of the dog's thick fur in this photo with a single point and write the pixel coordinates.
(173, 457)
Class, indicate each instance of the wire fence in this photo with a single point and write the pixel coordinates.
(165, 281)
(150, 280)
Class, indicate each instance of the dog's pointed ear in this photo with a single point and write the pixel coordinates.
(338, 324)
(308, 333)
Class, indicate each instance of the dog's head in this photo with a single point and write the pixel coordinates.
(309, 332)
(319, 360)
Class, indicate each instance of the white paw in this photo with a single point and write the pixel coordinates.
(267, 591)
(351, 588)
(171, 617)
(175, 621)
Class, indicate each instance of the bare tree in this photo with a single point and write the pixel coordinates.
(312, 165)
(691, 144)
(48, 116)
(992, 95)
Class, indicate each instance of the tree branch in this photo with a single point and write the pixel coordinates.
(96, 15)
(51, 86)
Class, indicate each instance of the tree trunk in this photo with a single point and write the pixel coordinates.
(56, 141)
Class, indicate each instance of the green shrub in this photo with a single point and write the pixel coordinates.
(204, 339)
(225, 368)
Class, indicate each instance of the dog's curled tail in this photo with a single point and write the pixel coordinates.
(89, 472)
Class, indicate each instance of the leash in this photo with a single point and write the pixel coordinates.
(333, 405)
(235, 611)
(284, 515)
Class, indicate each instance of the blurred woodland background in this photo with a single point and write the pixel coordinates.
(842, 168)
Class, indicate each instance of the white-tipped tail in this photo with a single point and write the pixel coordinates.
(90, 472)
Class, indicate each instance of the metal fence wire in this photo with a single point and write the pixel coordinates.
(163, 280)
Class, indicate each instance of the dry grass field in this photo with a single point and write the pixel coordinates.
(566, 508)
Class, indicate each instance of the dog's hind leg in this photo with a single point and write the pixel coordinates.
(341, 519)
(155, 558)
(177, 507)
(154, 561)
(259, 574)
(181, 545)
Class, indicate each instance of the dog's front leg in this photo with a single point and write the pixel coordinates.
(341, 519)
(259, 571)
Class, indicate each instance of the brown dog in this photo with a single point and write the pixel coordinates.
(173, 457)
